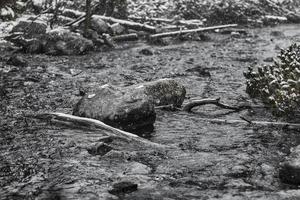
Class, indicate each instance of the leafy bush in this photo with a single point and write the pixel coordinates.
(278, 84)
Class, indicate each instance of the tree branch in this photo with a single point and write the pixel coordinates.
(176, 33)
(189, 106)
(88, 122)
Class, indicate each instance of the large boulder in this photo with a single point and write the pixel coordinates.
(30, 28)
(130, 108)
(117, 107)
(290, 168)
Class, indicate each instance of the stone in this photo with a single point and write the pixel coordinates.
(117, 107)
(64, 42)
(31, 28)
(99, 149)
(7, 13)
(290, 168)
(17, 61)
(146, 52)
(293, 17)
(130, 108)
(34, 45)
(164, 92)
(98, 25)
(117, 29)
(123, 187)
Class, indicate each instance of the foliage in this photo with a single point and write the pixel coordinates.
(278, 84)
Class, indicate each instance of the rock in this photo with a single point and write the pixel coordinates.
(30, 28)
(137, 168)
(165, 92)
(7, 13)
(17, 61)
(117, 29)
(130, 108)
(99, 25)
(71, 13)
(118, 107)
(64, 42)
(293, 17)
(34, 46)
(99, 149)
(123, 187)
(277, 34)
(290, 168)
(146, 52)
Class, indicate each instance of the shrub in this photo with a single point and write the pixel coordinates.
(278, 85)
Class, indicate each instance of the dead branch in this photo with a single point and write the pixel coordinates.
(88, 122)
(193, 22)
(177, 33)
(128, 24)
(126, 37)
(189, 106)
(291, 126)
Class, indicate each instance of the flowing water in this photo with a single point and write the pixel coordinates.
(212, 160)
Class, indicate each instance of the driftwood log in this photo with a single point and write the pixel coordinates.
(182, 32)
(88, 122)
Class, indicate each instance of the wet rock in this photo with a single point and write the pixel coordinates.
(123, 187)
(64, 42)
(146, 52)
(30, 27)
(17, 61)
(99, 149)
(130, 108)
(290, 168)
(117, 107)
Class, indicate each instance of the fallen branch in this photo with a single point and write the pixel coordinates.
(128, 24)
(126, 37)
(193, 22)
(88, 122)
(287, 125)
(182, 32)
(189, 106)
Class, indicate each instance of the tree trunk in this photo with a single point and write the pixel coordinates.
(88, 16)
